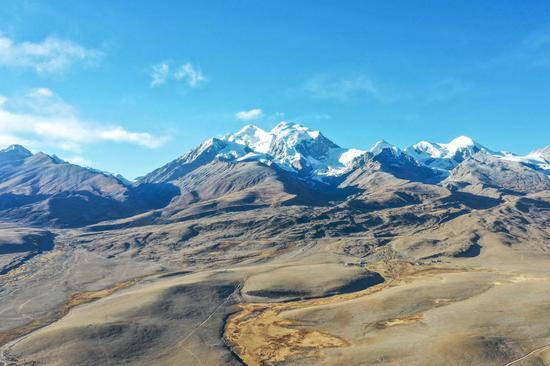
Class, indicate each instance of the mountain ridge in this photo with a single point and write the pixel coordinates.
(290, 164)
(309, 153)
(295, 147)
(269, 225)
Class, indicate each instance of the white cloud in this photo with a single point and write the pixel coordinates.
(41, 92)
(78, 160)
(331, 87)
(7, 139)
(119, 134)
(159, 73)
(41, 118)
(52, 55)
(249, 115)
(188, 73)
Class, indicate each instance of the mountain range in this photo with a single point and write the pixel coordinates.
(278, 247)
(253, 167)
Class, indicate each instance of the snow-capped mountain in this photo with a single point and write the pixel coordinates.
(310, 155)
(538, 159)
(296, 148)
(206, 152)
(14, 153)
(252, 136)
(255, 166)
(382, 146)
(386, 157)
(445, 156)
(290, 146)
(541, 154)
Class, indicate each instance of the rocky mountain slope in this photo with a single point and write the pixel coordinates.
(252, 167)
(310, 156)
(278, 247)
(39, 189)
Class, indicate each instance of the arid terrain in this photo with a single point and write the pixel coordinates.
(243, 263)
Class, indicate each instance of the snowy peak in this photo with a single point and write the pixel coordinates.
(295, 133)
(460, 143)
(448, 150)
(538, 159)
(463, 147)
(384, 146)
(445, 156)
(16, 149)
(541, 154)
(252, 136)
(290, 146)
(310, 155)
(205, 153)
(14, 153)
(299, 147)
(425, 149)
(295, 148)
(216, 148)
(283, 140)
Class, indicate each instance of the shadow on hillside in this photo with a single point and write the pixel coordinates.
(84, 208)
(41, 242)
(472, 201)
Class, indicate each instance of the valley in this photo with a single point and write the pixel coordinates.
(277, 252)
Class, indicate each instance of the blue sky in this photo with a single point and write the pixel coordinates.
(127, 88)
